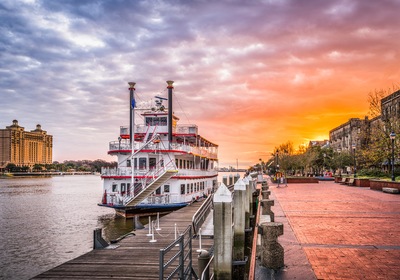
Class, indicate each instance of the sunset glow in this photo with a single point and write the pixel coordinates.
(250, 74)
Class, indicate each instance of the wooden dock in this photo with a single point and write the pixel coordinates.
(134, 257)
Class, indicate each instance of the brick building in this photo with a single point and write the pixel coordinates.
(25, 148)
(357, 131)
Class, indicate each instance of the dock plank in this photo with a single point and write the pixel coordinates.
(134, 257)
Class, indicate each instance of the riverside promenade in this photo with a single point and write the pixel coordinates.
(333, 231)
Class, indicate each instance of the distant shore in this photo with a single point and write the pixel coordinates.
(9, 175)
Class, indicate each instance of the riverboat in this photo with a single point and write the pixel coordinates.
(162, 165)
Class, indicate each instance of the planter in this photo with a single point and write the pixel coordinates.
(302, 180)
(363, 183)
(379, 184)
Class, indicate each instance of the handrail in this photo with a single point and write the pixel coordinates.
(201, 214)
(150, 176)
(254, 245)
(184, 245)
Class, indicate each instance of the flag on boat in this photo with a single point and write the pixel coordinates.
(133, 101)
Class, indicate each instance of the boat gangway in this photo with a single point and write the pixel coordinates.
(138, 256)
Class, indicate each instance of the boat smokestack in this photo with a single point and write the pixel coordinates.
(170, 87)
(131, 112)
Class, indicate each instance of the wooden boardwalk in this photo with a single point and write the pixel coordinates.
(135, 257)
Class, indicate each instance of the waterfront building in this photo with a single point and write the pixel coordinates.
(25, 148)
(356, 133)
(353, 132)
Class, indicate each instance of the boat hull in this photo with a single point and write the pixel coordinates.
(145, 209)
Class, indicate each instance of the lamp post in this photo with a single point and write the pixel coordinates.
(339, 150)
(355, 163)
(392, 137)
(277, 160)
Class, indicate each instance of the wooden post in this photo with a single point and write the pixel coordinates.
(223, 233)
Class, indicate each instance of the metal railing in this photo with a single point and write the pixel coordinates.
(149, 177)
(210, 152)
(201, 214)
(176, 261)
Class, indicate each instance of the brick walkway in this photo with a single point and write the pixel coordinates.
(345, 232)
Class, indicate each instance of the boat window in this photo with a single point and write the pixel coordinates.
(182, 188)
(191, 187)
(135, 163)
(128, 188)
(158, 191)
(163, 121)
(114, 188)
(166, 188)
(152, 162)
(198, 186)
(188, 188)
(142, 163)
(128, 163)
(123, 187)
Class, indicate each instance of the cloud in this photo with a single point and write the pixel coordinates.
(251, 74)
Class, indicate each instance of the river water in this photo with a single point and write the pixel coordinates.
(45, 222)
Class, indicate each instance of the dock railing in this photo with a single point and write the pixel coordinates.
(201, 214)
(176, 261)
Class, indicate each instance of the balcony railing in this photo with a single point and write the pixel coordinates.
(181, 129)
(200, 151)
(127, 171)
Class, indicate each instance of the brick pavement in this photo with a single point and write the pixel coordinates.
(345, 232)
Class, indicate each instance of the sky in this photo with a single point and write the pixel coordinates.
(251, 74)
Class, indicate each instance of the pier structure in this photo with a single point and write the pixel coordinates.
(137, 256)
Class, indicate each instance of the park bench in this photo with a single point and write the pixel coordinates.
(350, 182)
(343, 181)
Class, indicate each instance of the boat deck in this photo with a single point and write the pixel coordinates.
(134, 257)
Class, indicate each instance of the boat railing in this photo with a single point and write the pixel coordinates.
(199, 151)
(196, 172)
(127, 171)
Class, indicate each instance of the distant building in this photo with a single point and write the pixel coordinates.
(354, 132)
(358, 131)
(25, 148)
(390, 105)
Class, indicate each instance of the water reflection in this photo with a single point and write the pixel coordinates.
(47, 221)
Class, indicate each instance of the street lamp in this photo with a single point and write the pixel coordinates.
(392, 137)
(355, 163)
(277, 160)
